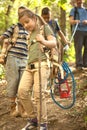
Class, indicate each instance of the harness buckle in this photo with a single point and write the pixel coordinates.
(31, 66)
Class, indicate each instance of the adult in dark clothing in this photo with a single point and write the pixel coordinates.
(78, 15)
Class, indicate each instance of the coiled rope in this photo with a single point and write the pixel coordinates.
(68, 72)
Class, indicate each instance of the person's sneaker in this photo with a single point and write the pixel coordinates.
(79, 68)
(24, 115)
(31, 124)
(15, 113)
(84, 67)
(43, 126)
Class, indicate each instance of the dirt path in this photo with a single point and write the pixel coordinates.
(59, 119)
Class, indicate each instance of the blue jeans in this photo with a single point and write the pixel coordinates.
(14, 69)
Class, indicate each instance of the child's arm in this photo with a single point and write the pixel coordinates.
(63, 38)
(2, 37)
(8, 33)
(4, 51)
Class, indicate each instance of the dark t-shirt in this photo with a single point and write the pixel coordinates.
(54, 25)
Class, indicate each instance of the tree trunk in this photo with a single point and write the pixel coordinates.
(63, 27)
(7, 16)
(63, 20)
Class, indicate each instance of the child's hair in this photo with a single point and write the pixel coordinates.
(28, 13)
(45, 11)
(31, 15)
(22, 7)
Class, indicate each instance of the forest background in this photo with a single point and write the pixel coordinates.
(60, 11)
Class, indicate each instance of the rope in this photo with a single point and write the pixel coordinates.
(74, 32)
(40, 89)
(68, 71)
(40, 85)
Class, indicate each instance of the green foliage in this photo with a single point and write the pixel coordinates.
(65, 4)
(2, 72)
(3, 14)
(85, 118)
(54, 1)
(69, 55)
(85, 93)
(62, 2)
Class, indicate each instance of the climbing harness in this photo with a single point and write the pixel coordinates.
(65, 97)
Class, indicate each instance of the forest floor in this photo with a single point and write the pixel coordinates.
(58, 119)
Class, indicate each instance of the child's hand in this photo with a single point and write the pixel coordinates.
(66, 47)
(69, 43)
(39, 38)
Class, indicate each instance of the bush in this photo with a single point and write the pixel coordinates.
(2, 72)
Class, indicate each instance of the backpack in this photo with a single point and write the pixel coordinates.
(76, 13)
(55, 27)
(12, 40)
(53, 53)
(14, 36)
